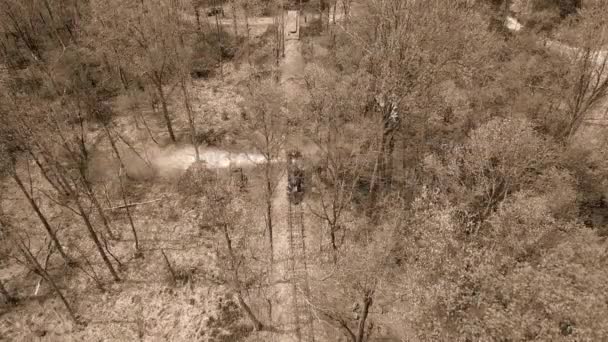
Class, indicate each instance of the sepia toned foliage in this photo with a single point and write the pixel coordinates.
(453, 181)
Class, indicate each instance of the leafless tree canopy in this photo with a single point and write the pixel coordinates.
(303, 170)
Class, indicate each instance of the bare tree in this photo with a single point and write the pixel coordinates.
(589, 87)
(190, 113)
(80, 157)
(35, 265)
(264, 104)
(233, 6)
(360, 333)
(236, 281)
(123, 191)
(223, 209)
(75, 194)
(185, 83)
(220, 43)
(47, 226)
(8, 165)
(150, 34)
(74, 184)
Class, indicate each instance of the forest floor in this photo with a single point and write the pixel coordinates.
(144, 305)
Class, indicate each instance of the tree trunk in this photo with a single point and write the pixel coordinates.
(95, 239)
(277, 51)
(99, 209)
(237, 282)
(299, 19)
(163, 101)
(246, 12)
(346, 4)
(386, 165)
(257, 325)
(91, 195)
(328, 14)
(321, 8)
(373, 187)
(121, 72)
(127, 208)
(143, 119)
(190, 114)
(269, 224)
(41, 216)
(332, 235)
(122, 189)
(367, 303)
(123, 78)
(234, 19)
(75, 195)
(334, 13)
(81, 159)
(169, 266)
(282, 29)
(197, 13)
(219, 41)
(45, 275)
(45, 173)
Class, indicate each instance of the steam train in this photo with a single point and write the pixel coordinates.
(295, 177)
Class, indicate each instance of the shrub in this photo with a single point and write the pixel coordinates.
(212, 47)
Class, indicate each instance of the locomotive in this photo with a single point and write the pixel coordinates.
(295, 177)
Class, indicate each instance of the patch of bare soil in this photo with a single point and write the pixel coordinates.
(146, 305)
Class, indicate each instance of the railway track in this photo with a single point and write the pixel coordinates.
(298, 269)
